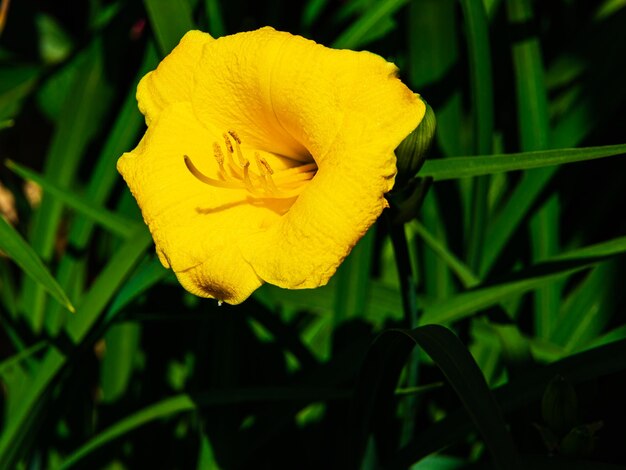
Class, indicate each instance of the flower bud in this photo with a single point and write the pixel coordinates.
(580, 441)
(412, 151)
(559, 406)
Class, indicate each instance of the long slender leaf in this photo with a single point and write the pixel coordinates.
(463, 273)
(77, 124)
(109, 220)
(170, 20)
(460, 167)
(32, 403)
(381, 10)
(108, 283)
(21, 356)
(162, 409)
(214, 15)
(121, 138)
(352, 279)
(184, 403)
(381, 370)
(559, 267)
(532, 105)
(25, 257)
(479, 51)
(522, 390)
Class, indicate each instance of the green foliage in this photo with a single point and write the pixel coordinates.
(509, 278)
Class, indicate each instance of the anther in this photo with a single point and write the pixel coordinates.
(265, 165)
(266, 174)
(235, 137)
(237, 147)
(217, 153)
(246, 177)
(229, 145)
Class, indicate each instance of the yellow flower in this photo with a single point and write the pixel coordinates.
(267, 157)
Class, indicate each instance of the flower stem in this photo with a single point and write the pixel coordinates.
(408, 289)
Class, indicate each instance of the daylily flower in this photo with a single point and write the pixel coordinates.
(267, 157)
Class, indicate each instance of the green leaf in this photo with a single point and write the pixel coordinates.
(462, 272)
(312, 11)
(184, 403)
(170, 20)
(520, 391)
(28, 414)
(109, 220)
(479, 51)
(108, 283)
(25, 257)
(79, 120)
(206, 458)
(16, 82)
(217, 27)
(466, 303)
(381, 370)
(121, 138)
(21, 356)
(461, 167)
(352, 281)
(532, 107)
(122, 346)
(588, 309)
(513, 213)
(145, 276)
(373, 17)
(162, 409)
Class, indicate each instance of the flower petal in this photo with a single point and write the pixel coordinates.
(346, 109)
(172, 81)
(196, 228)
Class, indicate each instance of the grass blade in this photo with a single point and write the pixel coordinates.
(461, 167)
(559, 267)
(122, 137)
(170, 20)
(586, 312)
(353, 37)
(532, 106)
(162, 409)
(381, 370)
(108, 283)
(183, 403)
(217, 27)
(520, 391)
(109, 220)
(81, 113)
(479, 51)
(25, 257)
(462, 272)
(352, 278)
(32, 403)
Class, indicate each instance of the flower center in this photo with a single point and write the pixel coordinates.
(234, 172)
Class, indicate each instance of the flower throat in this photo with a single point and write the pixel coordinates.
(234, 172)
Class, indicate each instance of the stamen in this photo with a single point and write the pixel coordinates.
(246, 178)
(235, 169)
(237, 140)
(236, 174)
(219, 156)
(266, 172)
(264, 164)
(210, 181)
